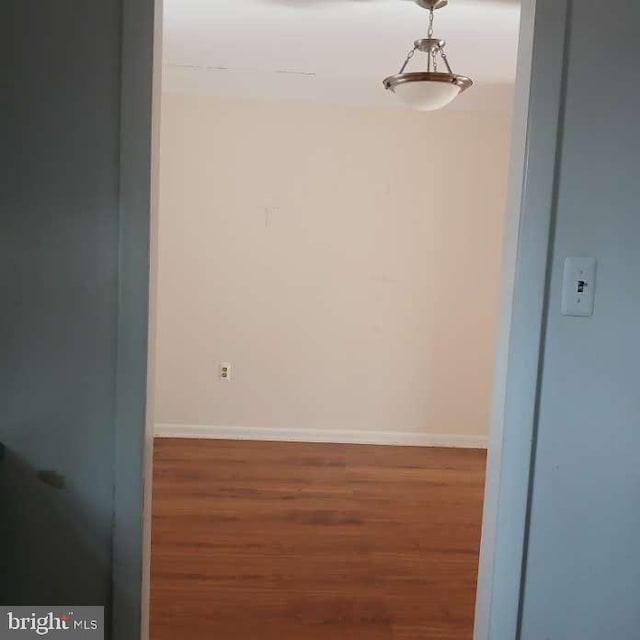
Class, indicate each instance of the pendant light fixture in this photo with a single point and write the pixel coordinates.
(431, 89)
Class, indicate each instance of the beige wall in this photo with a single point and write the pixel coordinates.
(344, 260)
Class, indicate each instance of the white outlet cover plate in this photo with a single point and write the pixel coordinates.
(224, 371)
(577, 299)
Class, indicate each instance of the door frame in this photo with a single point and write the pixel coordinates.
(140, 76)
(529, 226)
(529, 230)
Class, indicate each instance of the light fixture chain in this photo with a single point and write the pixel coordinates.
(430, 30)
(446, 60)
(409, 56)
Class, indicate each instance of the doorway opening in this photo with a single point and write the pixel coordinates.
(327, 299)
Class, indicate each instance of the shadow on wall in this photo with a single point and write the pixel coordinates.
(50, 545)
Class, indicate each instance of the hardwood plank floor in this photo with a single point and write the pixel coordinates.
(300, 541)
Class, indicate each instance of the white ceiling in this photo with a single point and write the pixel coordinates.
(335, 51)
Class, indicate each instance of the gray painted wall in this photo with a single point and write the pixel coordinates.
(71, 294)
(582, 577)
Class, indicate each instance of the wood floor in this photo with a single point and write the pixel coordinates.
(289, 541)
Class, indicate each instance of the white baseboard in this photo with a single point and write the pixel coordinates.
(340, 436)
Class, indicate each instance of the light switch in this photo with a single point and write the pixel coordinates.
(578, 286)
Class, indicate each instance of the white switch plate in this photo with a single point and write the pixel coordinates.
(578, 286)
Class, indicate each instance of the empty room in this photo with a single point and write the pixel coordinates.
(332, 186)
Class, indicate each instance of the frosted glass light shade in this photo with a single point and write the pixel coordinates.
(427, 91)
(426, 96)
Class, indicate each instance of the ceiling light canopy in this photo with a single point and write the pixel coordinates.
(431, 89)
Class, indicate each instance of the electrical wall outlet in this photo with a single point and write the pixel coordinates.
(224, 372)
